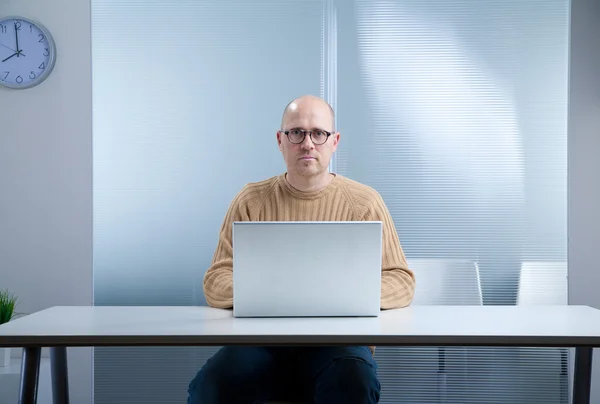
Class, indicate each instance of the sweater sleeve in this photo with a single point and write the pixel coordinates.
(218, 279)
(397, 280)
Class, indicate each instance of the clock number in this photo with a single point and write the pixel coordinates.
(42, 66)
(32, 75)
(2, 28)
(41, 37)
(18, 25)
(31, 28)
(46, 52)
(5, 76)
(19, 79)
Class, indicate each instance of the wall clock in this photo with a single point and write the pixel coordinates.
(27, 53)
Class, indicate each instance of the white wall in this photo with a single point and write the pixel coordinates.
(584, 162)
(46, 178)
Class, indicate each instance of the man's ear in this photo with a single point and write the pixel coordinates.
(279, 139)
(336, 140)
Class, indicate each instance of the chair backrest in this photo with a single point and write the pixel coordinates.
(446, 282)
(543, 283)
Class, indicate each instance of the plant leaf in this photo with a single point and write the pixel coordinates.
(8, 302)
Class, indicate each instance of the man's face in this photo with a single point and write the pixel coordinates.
(307, 159)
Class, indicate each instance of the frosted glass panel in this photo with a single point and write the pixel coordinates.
(456, 112)
(188, 96)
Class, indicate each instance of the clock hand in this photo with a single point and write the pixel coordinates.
(7, 47)
(17, 40)
(14, 54)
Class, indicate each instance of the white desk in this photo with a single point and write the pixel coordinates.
(61, 327)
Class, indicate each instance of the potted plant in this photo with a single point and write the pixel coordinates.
(8, 301)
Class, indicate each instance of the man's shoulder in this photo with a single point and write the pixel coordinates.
(256, 191)
(365, 199)
(360, 192)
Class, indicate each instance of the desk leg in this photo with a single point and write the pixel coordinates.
(583, 375)
(60, 378)
(30, 374)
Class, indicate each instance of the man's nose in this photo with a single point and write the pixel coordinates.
(307, 142)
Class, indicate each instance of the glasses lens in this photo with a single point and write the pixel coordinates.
(296, 136)
(319, 137)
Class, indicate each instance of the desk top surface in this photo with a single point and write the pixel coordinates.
(414, 326)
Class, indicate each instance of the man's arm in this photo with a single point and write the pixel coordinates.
(218, 280)
(397, 280)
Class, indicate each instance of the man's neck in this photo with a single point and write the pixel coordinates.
(309, 184)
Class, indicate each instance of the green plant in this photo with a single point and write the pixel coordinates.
(8, 302)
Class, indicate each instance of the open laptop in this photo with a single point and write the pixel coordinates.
(300, 269)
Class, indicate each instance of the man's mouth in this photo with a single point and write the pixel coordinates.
(307, 158)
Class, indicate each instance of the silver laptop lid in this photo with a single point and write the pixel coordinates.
(307, 268)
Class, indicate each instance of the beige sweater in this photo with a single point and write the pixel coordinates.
(342, 200)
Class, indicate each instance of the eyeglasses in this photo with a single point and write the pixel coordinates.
(317, 136)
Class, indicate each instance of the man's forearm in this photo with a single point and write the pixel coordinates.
(397, 289)
(218, 288)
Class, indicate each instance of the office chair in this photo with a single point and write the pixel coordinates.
(547, 283)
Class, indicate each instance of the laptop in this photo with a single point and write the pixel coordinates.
(307, 269)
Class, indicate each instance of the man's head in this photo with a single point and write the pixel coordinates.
(307, 138)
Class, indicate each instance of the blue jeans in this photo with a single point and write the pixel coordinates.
(241, 374)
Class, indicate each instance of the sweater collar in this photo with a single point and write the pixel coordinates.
(285, 185)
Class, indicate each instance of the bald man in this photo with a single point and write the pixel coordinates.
(307, 191)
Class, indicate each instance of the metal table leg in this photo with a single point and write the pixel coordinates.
(60, 379)
(583, 375)
(30, 374)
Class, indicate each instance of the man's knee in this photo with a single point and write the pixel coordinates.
(234, 374)
(349, 381)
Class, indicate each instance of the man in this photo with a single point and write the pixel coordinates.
(307, 191)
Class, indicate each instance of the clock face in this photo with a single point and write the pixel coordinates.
(27, 53)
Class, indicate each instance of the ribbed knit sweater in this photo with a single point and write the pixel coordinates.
(343, 199)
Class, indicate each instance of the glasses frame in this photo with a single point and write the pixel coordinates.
(304, 132)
